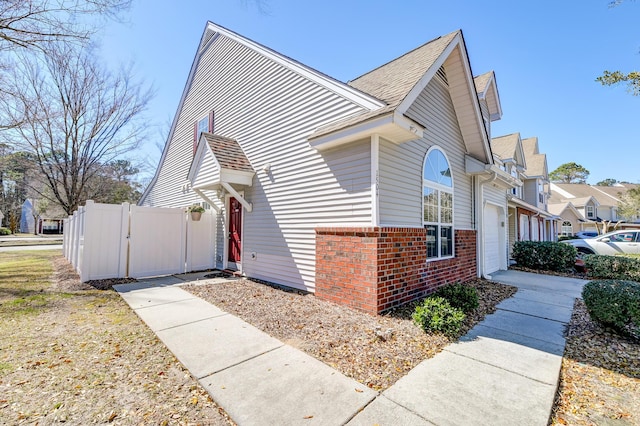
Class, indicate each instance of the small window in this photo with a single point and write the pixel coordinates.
(590, 212)
(205, 124)
(437, 198)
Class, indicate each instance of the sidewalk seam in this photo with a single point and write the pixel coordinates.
(241, 362)
(530, 315)
(501, 368)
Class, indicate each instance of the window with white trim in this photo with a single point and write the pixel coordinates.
(590, 212)
(437, 207)
(205, 124)
(567, 228)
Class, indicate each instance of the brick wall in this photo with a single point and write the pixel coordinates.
(375, 269)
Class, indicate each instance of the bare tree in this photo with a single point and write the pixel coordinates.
(75, 117)
(36, 23)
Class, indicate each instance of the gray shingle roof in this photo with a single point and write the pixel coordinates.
(505, 146)
(228, 152)
(392, 82)
(480, 81)
(536, 162)
(582, 191)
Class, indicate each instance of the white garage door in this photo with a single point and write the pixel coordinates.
(492, 230)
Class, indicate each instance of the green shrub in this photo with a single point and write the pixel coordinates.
(612, 267)
(435, 314)
(614, 303)
(459, 296)
(544, 255)
(5, 231)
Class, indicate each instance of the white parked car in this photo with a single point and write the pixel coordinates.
(586, 234)
(612, 243)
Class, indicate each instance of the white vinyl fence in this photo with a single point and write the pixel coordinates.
(117, 241)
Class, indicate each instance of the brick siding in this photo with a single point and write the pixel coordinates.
(377, 268)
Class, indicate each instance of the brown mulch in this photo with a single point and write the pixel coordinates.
(600, 376)
(84, 357)
(375, 351)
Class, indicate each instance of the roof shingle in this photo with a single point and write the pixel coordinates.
(228, 152)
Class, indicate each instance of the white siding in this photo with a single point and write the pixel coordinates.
(401, 165)
(530, 191)
(270, 110)
(207, 169)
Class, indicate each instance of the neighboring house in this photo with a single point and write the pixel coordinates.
(48, 222)
(369, 193)
(582, 206)
(529, 218)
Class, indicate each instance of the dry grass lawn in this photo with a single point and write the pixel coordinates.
(70, 353)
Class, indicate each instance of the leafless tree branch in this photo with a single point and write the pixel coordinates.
(75, 117)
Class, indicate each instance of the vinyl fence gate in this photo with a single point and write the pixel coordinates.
(118, 241)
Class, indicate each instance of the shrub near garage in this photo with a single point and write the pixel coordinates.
(612, 267)
(5, 231)
(614, 303)
(544, 255)
(435, 314)
(459, 296)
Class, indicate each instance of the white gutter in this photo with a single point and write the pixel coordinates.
(375, 179)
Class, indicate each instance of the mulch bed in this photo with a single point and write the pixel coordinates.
(374, 350)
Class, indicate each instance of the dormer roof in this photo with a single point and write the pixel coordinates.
(487, 89)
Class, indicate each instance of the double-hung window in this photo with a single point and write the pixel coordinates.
(437, 191)
(205, 124)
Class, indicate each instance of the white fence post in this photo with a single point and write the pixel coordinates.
(125, 223)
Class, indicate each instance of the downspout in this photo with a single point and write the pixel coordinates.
(480, 221)
(375, 180)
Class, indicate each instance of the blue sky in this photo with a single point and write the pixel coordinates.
(546, 55)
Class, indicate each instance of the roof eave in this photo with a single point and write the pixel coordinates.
(391, 126)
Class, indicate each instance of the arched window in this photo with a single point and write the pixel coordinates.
(437, 207)
(567, 228)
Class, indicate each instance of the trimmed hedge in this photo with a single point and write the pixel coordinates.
(459, 296)
(5, 231)
(614, 303)
(544, 255)
(435, 314)
(612, 267)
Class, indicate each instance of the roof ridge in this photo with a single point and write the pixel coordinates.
(403, 55)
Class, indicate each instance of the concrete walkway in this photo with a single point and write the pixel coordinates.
(503, 372)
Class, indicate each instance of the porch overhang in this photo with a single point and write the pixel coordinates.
(220, 164)
(517, 202)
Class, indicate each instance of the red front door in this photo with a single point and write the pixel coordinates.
(235, 230)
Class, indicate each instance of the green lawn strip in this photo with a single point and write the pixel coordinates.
(24, 282)
(32, 242)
